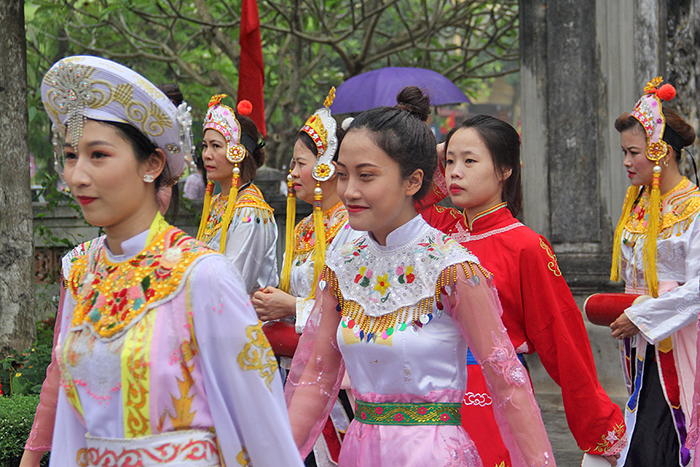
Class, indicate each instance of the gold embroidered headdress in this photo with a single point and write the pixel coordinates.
(649, 112)
(322, 128)
(81, 87)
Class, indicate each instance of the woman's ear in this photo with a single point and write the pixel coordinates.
(506, 174)
(155, 164)
(414, 182)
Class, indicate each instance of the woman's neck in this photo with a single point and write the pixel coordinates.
(226, 186)
(329, 200)
(669, 182)
(134, 225)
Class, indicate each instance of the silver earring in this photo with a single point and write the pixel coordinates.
(148, 178)
(666, 163)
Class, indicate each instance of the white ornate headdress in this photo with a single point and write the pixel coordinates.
(321, 127)
(82, 86)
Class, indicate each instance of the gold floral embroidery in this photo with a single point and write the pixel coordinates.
(258, 355)
(243, 457)
(136, 378)
(552, 265)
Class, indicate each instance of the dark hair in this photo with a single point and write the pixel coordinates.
(250, 165)
(143, 149)
(172, 91)
(309, 143)
(687, 133)
(402, 134)
(503, 142)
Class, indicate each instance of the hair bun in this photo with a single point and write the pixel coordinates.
(244, 107)
(414, 101)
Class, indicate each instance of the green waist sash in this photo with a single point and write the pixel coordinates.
(388, 413)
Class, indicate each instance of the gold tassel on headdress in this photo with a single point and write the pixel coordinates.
(290, 239)
(320, 232)
(230, 204)
(205, 210)
(632, 193)
(653, 227)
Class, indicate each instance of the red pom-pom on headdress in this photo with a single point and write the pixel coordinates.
(244, 107)
(666, 92)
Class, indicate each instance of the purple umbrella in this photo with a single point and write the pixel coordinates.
(379, 88)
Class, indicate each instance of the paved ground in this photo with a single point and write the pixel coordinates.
(566, 453)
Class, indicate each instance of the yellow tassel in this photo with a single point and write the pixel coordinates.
(320, 234)
(630, 197)
(228, 214)
(290, 240)
(652, 235)
(205, 210)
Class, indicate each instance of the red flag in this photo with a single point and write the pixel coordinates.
(251, 73)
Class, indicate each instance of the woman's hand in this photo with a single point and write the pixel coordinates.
(271, 303)
(623, 327)
(612, 459)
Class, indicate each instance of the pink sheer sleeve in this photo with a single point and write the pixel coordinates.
(317, 369)
(42, 429)
(476, 311)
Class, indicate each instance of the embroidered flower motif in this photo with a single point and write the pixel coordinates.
(364, 276)
(382, 283)
(363, 415)
(504, 361)
(378, 410)
(612, 437)
(422, 410)
(445, 417)
(398, 417)
(170, 258)
(405, 276)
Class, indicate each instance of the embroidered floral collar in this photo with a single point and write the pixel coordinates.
(384, 279)
(680, 204)
(249, 197)
(109, 296)
(333, 220)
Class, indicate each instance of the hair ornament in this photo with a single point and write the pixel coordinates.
(244, 107)
(184, 118)
(346, 123)
(666, 92)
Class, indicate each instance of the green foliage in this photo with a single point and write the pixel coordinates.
(308, 46)
(55, 198)
(22, 373)
(16, 418)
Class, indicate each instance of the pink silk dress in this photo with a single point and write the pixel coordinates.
(400, 318)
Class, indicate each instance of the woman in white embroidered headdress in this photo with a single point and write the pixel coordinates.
(312, 179)
(657, 254)
(151, 316)
(237, 222)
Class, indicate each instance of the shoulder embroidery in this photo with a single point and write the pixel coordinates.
(109, 296)
(679, 208)
(552, 265)
(257, 355)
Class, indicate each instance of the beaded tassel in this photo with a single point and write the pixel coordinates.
(290, 239)
(205, 210)
(320, 234)
(630, 197)
(228, 214)
(652, 233)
